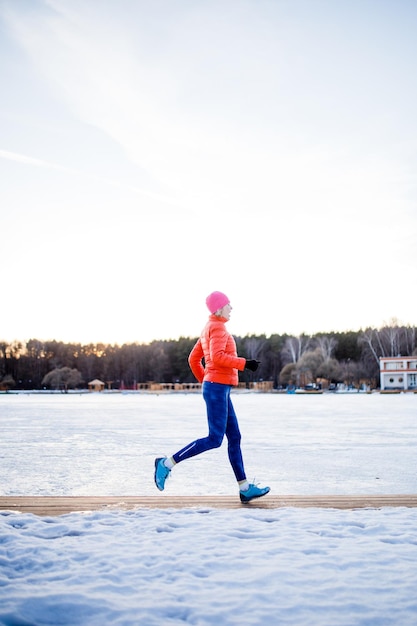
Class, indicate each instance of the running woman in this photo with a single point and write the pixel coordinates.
(218, 376)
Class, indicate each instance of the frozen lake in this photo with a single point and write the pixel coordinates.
(99, 444)
(248, 566)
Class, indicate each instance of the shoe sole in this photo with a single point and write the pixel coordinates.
(245, 501)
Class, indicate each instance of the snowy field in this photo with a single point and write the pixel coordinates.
(304, 567)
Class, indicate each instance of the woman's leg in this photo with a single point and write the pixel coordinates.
(216, 397)
(222, 420)
(234, 438)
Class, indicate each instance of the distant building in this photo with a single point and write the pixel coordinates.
(96, 385)
(398, 373)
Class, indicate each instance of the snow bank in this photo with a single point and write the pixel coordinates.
(287, 566)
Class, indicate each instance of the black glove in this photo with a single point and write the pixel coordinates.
(252, 365)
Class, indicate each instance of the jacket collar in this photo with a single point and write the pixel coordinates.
(216, 318)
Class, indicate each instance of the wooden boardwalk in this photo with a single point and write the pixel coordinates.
(59, 505)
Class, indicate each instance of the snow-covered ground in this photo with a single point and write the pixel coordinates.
(286, 566)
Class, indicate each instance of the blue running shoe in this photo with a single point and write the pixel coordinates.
(161, 473)
(252, 493)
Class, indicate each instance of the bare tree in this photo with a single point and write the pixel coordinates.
(327, 345)
(63, 378)
(330, 369)
(371, 344)
(389, 337)
(391, 340)
(7, 382)
(308, 366)
(254, 347)
(409, 339)
(294, 348)
(288, 374)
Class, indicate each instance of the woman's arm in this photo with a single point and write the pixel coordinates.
(194, 361)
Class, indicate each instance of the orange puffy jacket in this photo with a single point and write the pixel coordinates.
(218, 348)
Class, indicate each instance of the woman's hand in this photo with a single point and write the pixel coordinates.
(252, 365)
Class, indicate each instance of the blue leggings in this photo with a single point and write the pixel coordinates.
(222, 421)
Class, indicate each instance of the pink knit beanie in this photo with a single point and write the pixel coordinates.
(216, 300)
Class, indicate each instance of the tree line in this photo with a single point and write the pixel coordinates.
(351, 357)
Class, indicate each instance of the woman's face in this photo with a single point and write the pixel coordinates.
(225, 311)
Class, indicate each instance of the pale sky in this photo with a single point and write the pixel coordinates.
(152, 152)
